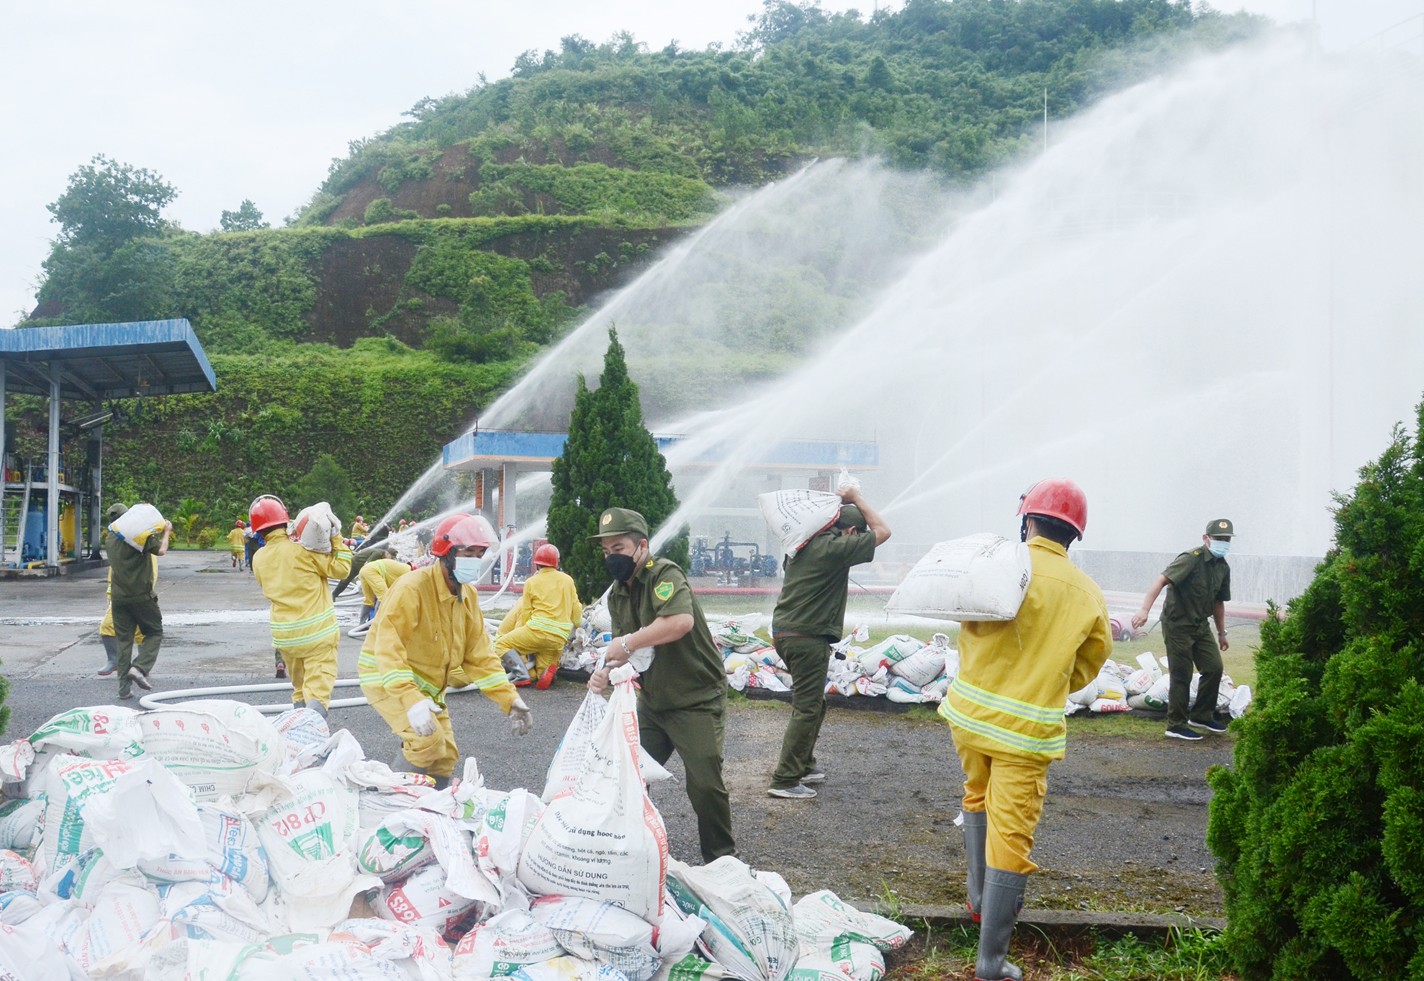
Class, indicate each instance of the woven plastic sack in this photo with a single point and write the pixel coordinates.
(980, 577)
(135, 526)
(795, 516)
(315, 527)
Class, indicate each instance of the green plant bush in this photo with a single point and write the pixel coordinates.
(378, 212)
(1319, 824)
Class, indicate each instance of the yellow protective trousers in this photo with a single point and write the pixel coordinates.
(312, 672)
(541, 645)
(1011, 791)
(435, 754)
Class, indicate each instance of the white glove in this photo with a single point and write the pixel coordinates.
(422, 716)
(521, 720)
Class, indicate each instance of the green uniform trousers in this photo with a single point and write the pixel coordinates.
(140, 614)
(696, 734)
(807, 658)
(1187, 648)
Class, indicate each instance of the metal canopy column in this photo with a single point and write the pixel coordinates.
(508, 477)
(96, 487)
(52, 472)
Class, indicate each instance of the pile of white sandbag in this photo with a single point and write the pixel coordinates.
(203, 840)
(1123, 687)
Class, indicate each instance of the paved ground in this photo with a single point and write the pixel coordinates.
(1123, 828)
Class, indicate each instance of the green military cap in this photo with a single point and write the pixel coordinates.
(620, 521)
(850, 517)
(1220, 528)
(115, 511)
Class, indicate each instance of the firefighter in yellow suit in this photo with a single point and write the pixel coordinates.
(1005, 710)
(429, 636)
(376, 578)
(294, 580)
(540, 623)
(237, 542)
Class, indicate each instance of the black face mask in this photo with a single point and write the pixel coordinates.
(620, 567)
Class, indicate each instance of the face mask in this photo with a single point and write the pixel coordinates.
(1219, 548)
(620, 567)
(469, 569)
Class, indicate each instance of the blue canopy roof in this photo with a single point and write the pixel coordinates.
(107, 361)
(536, 451)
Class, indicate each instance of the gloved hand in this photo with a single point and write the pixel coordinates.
(521, 720)
(422, 716)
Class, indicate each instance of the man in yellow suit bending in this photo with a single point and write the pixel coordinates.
(540, 623)
(429, 636)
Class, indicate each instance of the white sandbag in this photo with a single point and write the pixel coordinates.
(99, 732)
(818, 967)
(342, 958)
(393, 849)
(796, 515)
(502, 943)
(695, 967)
(315, 527)
(600, 932)
(187, 959)
(113, 932)
(1101, 705)
(218, 910)
(889, 651)
(16, 760)
(31, 955)
(568, 762)
(1155, 697)
(309, 836)
(81, 878)
(21, 822)
(424, 899)
(604, 839)
(1085, 695)
(16, 873)
(305, 734)
(922, 666)
(505, 829)
(74, 785)
(749, 926)
(822, 917)
(567, 968)
(230, 850)
(216, 747)
(980, 577)
(1240, 701)
(136, 525)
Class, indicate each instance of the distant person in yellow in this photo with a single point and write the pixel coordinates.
(294, 580)
(359, 530)
(237, 542)
(429, 636)
(376, 575)
(540, 623)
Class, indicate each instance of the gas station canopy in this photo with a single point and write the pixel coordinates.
(106, 361)
(489, 450)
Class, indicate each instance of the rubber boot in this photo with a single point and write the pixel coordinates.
(1002, 900)
(111, 656)
(318, 708)
(366, 613)
(441, 783)
(976, 830)
(402, 765)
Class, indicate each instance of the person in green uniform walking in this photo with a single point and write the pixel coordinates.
(683, 699)
(809, 617)
(1201, 585)
(132, 576)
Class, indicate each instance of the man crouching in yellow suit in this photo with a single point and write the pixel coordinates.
(540, 623)
(429, 636)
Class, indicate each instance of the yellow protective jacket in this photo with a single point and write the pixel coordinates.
(1015, 675)
(294, 580)
(235, 540)
(376, 577)
(550, 604)
(425, 640)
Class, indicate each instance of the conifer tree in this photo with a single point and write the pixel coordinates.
(1319, 824)
(610, 460)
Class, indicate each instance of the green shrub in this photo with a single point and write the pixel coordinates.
(1319, 825)
(378, 212)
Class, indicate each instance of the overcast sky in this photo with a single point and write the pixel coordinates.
(253, 100)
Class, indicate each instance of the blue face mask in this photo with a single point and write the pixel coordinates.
(469, 569)
(1219, 548)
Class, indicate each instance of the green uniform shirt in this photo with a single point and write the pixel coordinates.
(686, 672)
(1199, 580)
(813, 595)
(131, 572)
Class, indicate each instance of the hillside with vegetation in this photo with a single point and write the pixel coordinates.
(439, 258)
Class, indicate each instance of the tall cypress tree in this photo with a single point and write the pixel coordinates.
(610, 460)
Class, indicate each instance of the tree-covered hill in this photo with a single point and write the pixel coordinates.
(460, 243)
